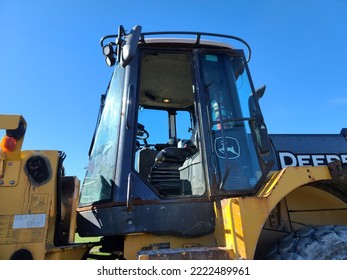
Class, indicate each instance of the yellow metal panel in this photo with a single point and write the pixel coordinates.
(310, 205)
(28, 211)
(295, 176)
(9, 171)
(9, 121)
(247, 215)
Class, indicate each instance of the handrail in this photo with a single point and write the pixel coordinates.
(198, 36)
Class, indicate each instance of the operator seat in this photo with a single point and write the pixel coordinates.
(165, 175)
(147, 156)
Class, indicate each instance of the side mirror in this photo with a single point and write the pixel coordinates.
(262, 137)
(261, 133)
(259, 93)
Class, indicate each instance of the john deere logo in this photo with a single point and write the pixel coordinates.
(228, 148)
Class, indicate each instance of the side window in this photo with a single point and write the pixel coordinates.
(171, 165)
(156, 124)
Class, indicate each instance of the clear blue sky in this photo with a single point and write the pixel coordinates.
(52, 70)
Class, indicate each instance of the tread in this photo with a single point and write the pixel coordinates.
(312, 243)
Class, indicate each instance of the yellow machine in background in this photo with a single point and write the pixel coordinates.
(225, 189)
(29, 199)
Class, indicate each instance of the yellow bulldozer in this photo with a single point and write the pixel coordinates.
(181, 166)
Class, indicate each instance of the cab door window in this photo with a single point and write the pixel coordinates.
(234, 157)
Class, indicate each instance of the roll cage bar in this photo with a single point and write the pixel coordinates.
(121, 33)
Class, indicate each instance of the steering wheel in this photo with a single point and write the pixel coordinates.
(142, 133)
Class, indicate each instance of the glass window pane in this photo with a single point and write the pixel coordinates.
(98, 182)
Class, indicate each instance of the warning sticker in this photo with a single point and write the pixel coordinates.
(28, 228)
(29, 221)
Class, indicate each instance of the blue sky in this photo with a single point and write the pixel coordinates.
(52, 70)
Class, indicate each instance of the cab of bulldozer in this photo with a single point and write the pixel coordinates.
(179, 126)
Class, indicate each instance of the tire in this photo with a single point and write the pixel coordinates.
(312, 243)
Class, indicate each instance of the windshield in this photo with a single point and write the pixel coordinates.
(98, 182)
